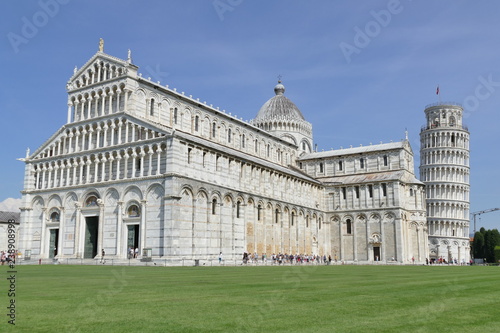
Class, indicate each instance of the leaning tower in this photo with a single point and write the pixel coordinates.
(444, 168)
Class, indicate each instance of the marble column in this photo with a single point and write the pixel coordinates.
(143, 225)
(79, 235)
(119, 229)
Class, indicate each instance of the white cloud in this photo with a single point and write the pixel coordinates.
(10, 205)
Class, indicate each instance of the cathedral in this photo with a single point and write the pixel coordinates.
(141, 166)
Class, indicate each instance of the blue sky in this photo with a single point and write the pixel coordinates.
(360, 71)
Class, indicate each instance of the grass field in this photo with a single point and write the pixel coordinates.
(62, 298)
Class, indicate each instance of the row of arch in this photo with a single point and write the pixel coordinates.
(131, 162)
(228, 170)
(99, 71)
(447, 191)
(265, 225)
(445, 157)
(130, 197)
(99, 102)
(448, 228)
(433, 139)
(349, 165)
(444, 174)
(447, 210)
(227, 221)
(286, 125)
(96, 135)
(372, 236)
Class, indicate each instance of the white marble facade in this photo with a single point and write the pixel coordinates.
(141, 165)
(444, 168)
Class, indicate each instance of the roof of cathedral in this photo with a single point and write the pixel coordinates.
(355, 150)
(244, 156)
(279, 107)
(6, 216)
(402, 175)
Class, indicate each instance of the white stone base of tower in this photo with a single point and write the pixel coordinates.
(449, 251)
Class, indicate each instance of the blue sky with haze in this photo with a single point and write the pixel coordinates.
(360, 71)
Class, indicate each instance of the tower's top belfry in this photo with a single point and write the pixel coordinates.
(443, 115)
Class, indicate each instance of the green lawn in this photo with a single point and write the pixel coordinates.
(60, 298)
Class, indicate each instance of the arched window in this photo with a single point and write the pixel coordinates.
(133, 211)
(386, 161)
(91, 201)
(452, 121)
(175, 115)
(319, 223)
(54, 217)
(321, 168)
(214, 206)
(214, 128)
(196, 123)
(218, 166)
(341, 165)
(276, 215)
(238, 211)
(259, 212)
(138, 164)
(152, 107)
(307, 222)
(411, 192)
(229, 135)
(293, 218)
(348, 225)
(243, 141)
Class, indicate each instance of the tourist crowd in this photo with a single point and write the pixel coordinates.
(284, 258)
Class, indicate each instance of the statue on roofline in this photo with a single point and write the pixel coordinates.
(101, 45)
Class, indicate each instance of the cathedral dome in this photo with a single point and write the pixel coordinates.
(278, 108)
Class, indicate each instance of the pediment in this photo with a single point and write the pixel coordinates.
(45, 149)
(407, 146)
(100, 68)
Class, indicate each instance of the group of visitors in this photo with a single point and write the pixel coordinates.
(443, 261)
(133, 253)
(284, 258)
(7, 258)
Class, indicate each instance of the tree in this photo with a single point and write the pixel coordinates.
(491, 239)
(478, 245)
(484, 244)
